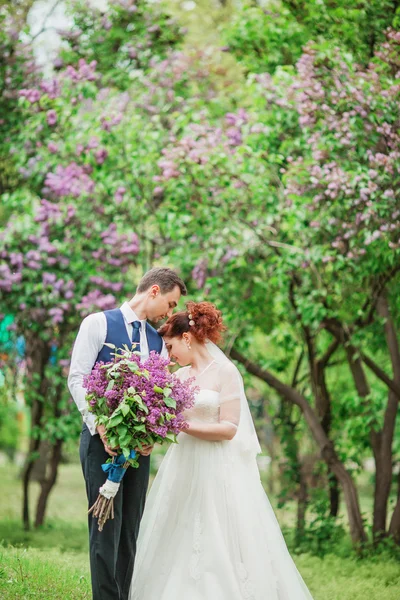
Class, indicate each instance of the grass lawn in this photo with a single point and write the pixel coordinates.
(52, 564)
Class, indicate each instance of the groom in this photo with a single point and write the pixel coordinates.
(112, 551)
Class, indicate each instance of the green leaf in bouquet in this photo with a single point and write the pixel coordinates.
(158, 390)
(170, 402)
(125, 440)
(126, 452)
(131, 390)
(171, 437)
(112, 346)
(112, 371)
(134, 367)
(146, 374)
(113, 441)
(167, 392)
(124, 408)
(140, 403)
(122, 429)
(115, 420)
(161, 419)
(140, 428)
(169, 416)
(110, 385)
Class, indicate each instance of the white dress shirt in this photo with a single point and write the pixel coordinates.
(89, 341)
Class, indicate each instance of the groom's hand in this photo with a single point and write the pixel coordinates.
(101, 430)
(145, 451)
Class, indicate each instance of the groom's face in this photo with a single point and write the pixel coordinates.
(161, 306)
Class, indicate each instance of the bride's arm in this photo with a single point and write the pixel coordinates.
(229, 413)
(213, 432)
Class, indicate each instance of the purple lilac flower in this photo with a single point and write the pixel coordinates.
(51, 117)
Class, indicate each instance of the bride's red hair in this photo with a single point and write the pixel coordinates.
(202, 319)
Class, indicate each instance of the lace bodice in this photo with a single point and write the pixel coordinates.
(206, 407)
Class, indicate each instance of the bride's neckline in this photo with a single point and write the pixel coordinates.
(204, 370)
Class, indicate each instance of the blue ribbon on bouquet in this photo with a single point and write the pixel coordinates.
(115, 470)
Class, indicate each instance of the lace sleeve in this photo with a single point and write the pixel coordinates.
(229, 395)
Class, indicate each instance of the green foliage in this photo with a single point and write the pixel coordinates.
(322, 531)
(125, 40)
(9, 430)
(264, 38)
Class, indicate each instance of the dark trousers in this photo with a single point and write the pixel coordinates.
(112, 551)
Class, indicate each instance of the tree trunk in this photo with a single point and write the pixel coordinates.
(334, 494)
(382, 440)
(33, 452)
(381, 489)
(302, 502)
(48, 483)
(325, 414)
(394, 528)
(325, 445)
(391, 414)
(37, 356)
(296, 469)
(321, 393)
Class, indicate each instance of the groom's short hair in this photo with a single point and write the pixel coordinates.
(165, 278)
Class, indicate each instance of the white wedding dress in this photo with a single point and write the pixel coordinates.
(208, 531)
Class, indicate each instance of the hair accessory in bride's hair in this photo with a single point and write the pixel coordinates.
(191, 322)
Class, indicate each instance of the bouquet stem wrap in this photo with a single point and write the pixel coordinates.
(103, 508)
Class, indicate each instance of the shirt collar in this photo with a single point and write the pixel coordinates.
(130, 314)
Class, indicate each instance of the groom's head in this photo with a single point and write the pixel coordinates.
(160, 290)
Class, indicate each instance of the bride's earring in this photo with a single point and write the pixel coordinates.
(188, 345)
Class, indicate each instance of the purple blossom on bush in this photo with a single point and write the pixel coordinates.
(100, 155)
(96, 300)
(51, 117)
(85, 71)
(51, 88)
(70, 180)
(119, 194)
(32, 95)
(52, 147)
(199, 273)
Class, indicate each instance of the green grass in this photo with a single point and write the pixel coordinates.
(52, 575)
(52, 563)
(45, 575)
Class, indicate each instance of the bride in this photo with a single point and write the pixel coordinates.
(208, 531)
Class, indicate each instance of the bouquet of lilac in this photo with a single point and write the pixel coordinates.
(139, 403)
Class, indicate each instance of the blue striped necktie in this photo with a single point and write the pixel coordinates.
(136, 325)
